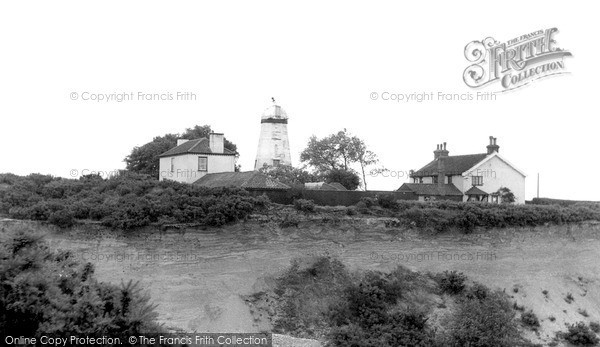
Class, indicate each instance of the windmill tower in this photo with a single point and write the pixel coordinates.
(273, 145)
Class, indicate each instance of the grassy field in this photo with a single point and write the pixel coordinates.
(198, 277)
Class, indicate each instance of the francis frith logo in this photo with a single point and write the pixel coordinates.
(516, 62)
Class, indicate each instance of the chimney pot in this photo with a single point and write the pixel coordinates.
(492, 147)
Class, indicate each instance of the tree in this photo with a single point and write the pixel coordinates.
(364, 157)
(348, 178)
(289, 175)
(506, 195)
(322, 154)
(145, 159)
(338, 152)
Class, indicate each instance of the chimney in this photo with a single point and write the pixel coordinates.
(444, 152)
(216, 142)
(436, 153)
(441, 172)
(440, 151)
(181, 141)
(492, 147)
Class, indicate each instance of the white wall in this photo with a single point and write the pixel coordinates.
(273, 144)
(497, 173)
(186, 166)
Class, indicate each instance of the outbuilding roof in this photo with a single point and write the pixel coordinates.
(247, 179)
(430, 189)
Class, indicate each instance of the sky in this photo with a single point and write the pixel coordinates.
(321, 61)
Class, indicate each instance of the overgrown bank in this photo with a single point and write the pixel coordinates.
(320, 298)
(129, 201)
(44, 292)
(126, 201)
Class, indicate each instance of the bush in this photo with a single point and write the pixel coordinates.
(46, 292)
(530, 319)
(387, 201)
(451, 282)
(488, 321)
(62, 218)
(580, 334)
(304, 205)
(351, 211)
(595, 327)
(126, 201)
(289, 220)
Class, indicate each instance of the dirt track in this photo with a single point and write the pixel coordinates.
(197, 276)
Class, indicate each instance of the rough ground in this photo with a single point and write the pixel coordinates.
(198, 277)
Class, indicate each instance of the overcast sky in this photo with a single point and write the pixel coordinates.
(320, 60)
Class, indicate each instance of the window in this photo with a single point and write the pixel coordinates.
(202, 164)
(172, 164)
(435, 179)
(276, 162)
(449, 179)
(477, 180)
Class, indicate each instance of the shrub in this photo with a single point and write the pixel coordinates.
(530, 319)
(595, 327)
(289, 220)
(387, 201)
(580, 334)
(451, 282)
(304, 205)
(484, 322)
(368, 202)
(569, 298)
(125, 201)
(46, 292)
(351, 211)
(62, 218)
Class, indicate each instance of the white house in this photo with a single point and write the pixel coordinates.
(192, 159)
(471, 177)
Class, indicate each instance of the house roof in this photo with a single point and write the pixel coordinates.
(475, 191)
(247, 179)
(197, 146)
(324, 186)
(453, 165)
(489, 157)
(430, 189)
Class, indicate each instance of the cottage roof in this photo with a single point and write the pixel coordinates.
(475, 191)
(430, 189)
(453, 165)
(197, 146)
(247, 179)
(324, 186)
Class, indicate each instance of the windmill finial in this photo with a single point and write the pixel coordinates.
(272, 98)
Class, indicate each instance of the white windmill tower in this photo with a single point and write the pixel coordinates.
(273, 145)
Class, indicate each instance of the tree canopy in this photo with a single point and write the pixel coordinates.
(338, 151)
(145, 159)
